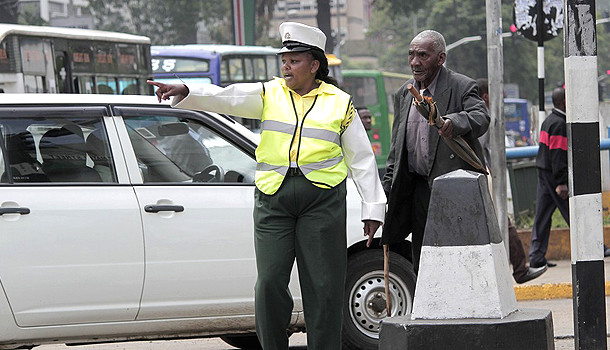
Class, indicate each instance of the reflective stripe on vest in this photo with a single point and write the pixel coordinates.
(305, 169)
(320, 134)
(319, 155)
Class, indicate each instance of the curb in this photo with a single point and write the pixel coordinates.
(548, 291)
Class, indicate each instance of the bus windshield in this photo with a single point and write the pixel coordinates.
(69, 60)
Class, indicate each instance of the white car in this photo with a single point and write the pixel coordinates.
(122, 218)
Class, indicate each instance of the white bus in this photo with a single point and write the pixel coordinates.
(69, 60)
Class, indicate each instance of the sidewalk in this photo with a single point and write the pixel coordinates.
(555, 283)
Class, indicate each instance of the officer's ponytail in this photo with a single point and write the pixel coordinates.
(323, 71)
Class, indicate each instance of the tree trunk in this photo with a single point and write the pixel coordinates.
(323, 18)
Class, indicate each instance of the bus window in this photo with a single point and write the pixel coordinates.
(128, 86)
(83, 85)
(61, 71)
(236, 70)
(272, 67)
(127, 60)
(224, 72)
(32, 57)
(362, 89)
(106, 85)
(179, 65)
(260, 72)
(32, 83)
(249, 69)
(105, 59)
(5, 63)
(187, 80)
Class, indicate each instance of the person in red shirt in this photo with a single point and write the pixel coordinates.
(552, 191)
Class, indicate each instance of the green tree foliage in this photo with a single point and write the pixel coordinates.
(165, 22)
(177, 21)
(30, 14)
(395, 22)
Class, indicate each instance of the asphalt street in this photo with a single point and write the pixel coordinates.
(562, 325)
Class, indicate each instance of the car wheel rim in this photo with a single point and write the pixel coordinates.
(367, 301)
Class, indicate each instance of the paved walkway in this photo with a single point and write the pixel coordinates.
(555, 283)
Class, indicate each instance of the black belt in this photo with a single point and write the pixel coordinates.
(294, 172)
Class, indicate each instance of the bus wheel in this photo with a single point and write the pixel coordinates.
(365, 305)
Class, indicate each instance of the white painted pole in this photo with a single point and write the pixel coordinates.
(584, 175)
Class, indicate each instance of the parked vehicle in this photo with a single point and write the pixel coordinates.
(122, 219)
(518, 124)
(73, 60)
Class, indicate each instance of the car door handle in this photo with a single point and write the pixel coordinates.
(22, 211)
(150, 208)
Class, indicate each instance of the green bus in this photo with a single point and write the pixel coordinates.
(375, 90)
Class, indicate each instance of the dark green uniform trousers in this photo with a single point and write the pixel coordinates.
(308, 223)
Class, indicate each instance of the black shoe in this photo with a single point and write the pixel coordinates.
(538, 263)
(550, 264)
(532, 272)
(606, 251)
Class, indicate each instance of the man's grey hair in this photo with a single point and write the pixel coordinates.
(437, 39)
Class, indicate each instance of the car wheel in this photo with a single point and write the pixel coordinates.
(365, 302)
(246, 342)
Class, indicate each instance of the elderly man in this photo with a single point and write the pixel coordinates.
(417, 154)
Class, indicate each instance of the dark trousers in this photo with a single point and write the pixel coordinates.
(516, 252)
(307, 223)
(547, 201)
(419, 215)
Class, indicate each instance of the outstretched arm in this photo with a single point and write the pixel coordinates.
(241, 100)
(165, 91)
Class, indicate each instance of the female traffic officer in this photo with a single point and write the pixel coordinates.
(309, 140)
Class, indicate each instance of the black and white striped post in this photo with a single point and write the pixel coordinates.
(540, 57)
(584, 175)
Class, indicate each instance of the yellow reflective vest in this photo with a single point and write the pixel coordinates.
(319, 155)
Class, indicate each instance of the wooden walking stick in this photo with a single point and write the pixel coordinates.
(426, 106)
(386, 277)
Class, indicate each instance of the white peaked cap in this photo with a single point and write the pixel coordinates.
(298, 37)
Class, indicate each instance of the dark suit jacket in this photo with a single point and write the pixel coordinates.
(456, 98)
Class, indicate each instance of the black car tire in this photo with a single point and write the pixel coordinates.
(364, 301)
(246, 342)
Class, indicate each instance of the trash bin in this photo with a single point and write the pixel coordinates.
(523, 181)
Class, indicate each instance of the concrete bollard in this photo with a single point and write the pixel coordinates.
(464, 297)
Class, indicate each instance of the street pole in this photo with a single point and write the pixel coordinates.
(540, 37)
(495, 72)
(584, 175)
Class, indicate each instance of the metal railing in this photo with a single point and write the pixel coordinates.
(531, 151)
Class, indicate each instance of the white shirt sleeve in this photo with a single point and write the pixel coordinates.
(241, 100)
(359, 158)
